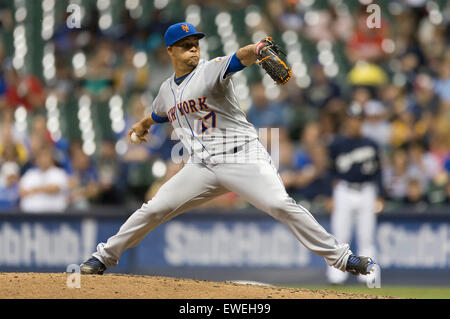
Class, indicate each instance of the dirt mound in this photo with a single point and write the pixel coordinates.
(48, 286)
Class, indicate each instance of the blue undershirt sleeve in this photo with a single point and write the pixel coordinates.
(159, 119)
(234, 66)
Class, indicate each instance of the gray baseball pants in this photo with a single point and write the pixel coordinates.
(256, 181)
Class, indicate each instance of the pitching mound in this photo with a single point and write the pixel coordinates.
(44, 285)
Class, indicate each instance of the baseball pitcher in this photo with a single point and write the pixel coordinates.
(225, 154)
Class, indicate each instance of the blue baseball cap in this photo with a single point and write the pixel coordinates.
(180, 31)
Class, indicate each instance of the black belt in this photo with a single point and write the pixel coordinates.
(232, 151)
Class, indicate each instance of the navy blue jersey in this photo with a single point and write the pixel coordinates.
(355, 160)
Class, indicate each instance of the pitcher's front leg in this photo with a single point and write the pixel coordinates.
(260, 185)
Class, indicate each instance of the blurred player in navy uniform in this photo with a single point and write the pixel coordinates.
(356, 173)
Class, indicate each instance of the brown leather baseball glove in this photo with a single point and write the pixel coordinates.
(269, 57)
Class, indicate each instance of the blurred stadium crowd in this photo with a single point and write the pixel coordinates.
(69, 96)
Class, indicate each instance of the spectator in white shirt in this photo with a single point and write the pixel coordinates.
(43, 189)
(375, 125)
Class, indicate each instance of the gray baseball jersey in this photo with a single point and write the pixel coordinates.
(205, 113)
(204, 110)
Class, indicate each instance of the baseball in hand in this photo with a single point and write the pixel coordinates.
(134, 138)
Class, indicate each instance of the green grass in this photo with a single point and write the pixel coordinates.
(417, 292)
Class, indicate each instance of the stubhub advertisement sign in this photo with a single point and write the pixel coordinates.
(46, 244)
(50, 243)
(226, 244)
(409, 244)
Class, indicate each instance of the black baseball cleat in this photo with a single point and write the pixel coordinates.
(92, 266)
(360, 265)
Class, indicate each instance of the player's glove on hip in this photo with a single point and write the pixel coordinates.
(268, 53)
